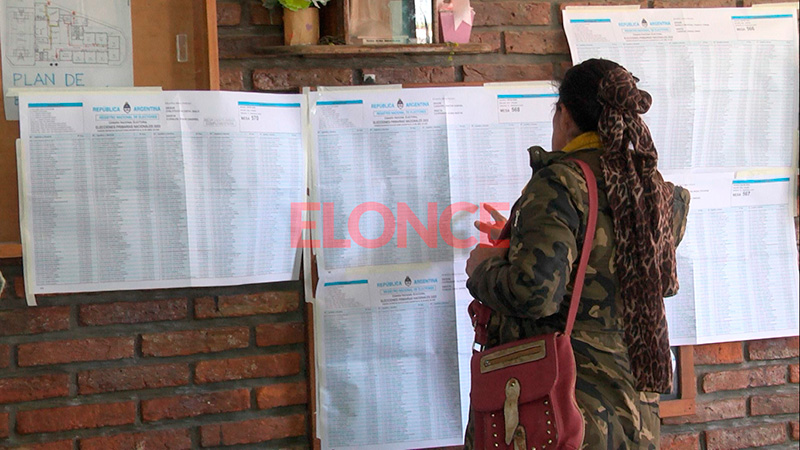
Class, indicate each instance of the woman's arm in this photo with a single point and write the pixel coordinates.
(532, 280)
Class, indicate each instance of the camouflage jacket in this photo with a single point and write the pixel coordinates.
(529, 292)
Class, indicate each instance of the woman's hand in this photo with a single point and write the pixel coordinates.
(492, 229)
(481, 253)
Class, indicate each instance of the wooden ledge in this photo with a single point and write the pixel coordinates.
(322, 51)
(10, 250)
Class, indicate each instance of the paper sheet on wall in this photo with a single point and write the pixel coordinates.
(724, 80)
(389, 374)
(65, 43)
(737, 264)
(133, 190)
(421, 162)
(724, 120)
(417, 163)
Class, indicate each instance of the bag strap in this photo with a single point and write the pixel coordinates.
(480, 313)
(588, 239)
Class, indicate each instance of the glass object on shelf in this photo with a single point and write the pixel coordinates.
(390, 22)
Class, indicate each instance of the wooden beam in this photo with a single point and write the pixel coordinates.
(334, 51)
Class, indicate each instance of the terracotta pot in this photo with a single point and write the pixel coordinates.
(301, 27)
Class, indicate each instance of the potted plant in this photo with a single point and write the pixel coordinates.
(300, 20)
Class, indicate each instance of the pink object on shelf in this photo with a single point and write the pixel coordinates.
(448, 31)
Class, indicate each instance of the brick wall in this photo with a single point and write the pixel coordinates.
(526, 39)
(168, 369)
(747, 397)
(227, 367)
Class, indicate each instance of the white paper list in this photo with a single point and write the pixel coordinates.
(737, 263)
(382, 166)
(389, 377)
(489, 159)
(719, 97)
(131, 190)
(745, 273)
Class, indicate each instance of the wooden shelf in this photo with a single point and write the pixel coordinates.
(685, 404)
(10, 250)
(333, 51)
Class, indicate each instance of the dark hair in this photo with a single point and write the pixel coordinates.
(578, 92)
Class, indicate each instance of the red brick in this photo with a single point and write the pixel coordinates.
(774, 404)
(263, 16)
(511, 13)
(161, 440)
(133, 312)
(561, 69)
(680, 441)
(247, 305)
(57, 352)
(544, 42)
(36, 320)
(487, 37)
(754, 436)
(258, 430)
(238, 47)
(774, 348)
(713, 410)
(795, 427)
(794, 373)
(25, 389)
(722, 353)
(507, 72)
(76, 417)
(231, 79)
(132, 378)
(228, 14)
(694, 3)
(57, 445)
(5, 356)
(408, 75)
(742, 379)
(280, 334)
(195, 405)
(195, 341)
(262, 366)
(291, 79)
(4, 425)
(282, 395)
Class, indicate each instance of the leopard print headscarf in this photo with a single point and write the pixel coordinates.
(641, 203)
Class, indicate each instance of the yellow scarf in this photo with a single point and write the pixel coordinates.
(590, 139)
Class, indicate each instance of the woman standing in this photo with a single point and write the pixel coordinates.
(620, 336)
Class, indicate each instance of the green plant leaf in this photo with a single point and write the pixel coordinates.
(295, 5)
